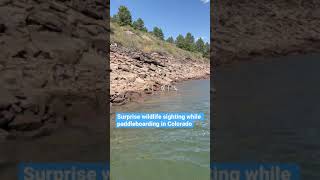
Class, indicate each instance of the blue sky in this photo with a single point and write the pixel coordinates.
(174, 17)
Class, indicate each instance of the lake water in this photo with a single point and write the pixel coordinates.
(269, 111)
(164, 154)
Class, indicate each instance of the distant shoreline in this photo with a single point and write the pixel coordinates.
(142, 95)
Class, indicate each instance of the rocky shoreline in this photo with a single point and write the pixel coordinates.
(136, 74)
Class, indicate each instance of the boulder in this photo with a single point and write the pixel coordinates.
(152, 68)
(124, 68)
(6, 118)
(65, 49)
(47, 20)
(26, 121)
(26, 103)
(139, 65)
(58, 6)
(16, 108)
(139, 80)
(118, 100)
(48, 128)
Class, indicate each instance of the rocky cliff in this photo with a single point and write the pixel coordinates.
(135, 73)
(245, 29)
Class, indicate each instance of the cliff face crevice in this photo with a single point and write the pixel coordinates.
(244, 29)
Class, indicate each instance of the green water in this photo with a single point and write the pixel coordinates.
(164, 154)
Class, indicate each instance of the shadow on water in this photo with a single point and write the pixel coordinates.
(269, 111)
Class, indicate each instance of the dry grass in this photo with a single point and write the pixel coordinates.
(129, 37)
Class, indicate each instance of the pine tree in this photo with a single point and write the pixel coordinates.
(180, 41)
(207, 50)
(170, 40)
(124, 16)
(138, 24)
(200, 46)
(189, 42)
(158, 33)
(145, 29)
